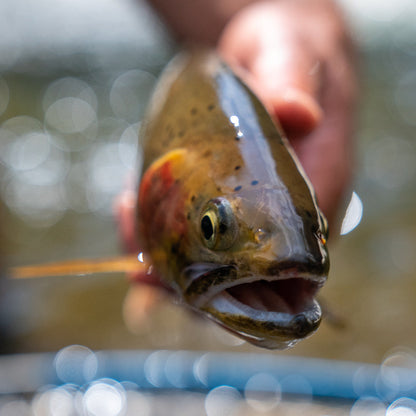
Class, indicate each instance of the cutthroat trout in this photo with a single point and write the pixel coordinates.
(225, 212)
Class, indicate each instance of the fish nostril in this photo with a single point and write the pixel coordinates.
(260, 236)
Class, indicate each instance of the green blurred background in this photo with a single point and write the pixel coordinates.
(74, 81)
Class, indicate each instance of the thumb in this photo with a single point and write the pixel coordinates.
(286, 79)
(277, 62)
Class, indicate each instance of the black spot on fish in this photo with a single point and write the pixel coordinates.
(211, 107)
(174, 248)
(218, 189)
(193, 198)
(222, 228)
(254, 182)
(193, 111)
(237, 138)
(188, 217)
(237, 167)
(237, 188)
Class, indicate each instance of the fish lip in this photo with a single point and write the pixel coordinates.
(273, 330)
(269, 329)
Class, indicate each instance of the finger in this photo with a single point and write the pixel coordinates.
(139, 303)
(279, 65)
(124, 208)
(286, 76)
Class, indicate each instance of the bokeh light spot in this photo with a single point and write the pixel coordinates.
(29, 151)
(222, 401)
(368, 406)
(353, 215)
(176, 369)
(262, 392)
(76, 364)
(129, 94)
(54, 402)
(70, 115)
(394, 370)
(38, 206)
(154, 367)
(128, 147)
(403, 406)
(69, 87)
(105, 398)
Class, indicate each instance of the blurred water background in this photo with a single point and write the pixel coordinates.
(74, 80)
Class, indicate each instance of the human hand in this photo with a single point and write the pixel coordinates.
(297, 57)
(141, 298)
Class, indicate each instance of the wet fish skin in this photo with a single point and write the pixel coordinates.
(223, 204)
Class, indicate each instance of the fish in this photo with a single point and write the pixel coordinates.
(225, 215)
(225, 212)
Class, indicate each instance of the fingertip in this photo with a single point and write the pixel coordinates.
(297, 112)
(124, 210)
(147, 277)
(124, 203)
(139, 303)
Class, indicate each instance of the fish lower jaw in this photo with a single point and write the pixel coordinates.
(271, 314)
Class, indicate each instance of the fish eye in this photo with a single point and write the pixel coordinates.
(207, 226)
(218, 225)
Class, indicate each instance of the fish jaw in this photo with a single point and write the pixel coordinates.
(267, 329)
(268, 311)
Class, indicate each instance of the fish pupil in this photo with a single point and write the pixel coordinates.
(206, 227)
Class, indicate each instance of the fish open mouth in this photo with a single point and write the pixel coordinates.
(290, 296)
(269, 311)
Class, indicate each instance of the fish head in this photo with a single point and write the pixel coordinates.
(250, 259)
(257, 262)
(225, 212)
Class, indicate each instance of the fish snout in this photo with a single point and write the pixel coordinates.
(300, 264)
